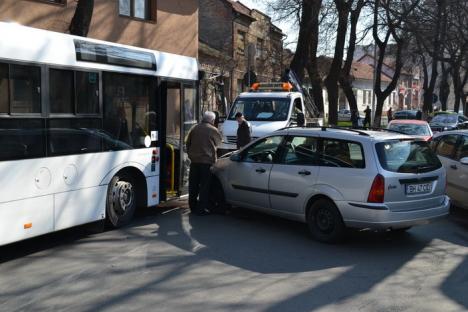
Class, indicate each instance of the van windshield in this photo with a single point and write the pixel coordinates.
(261, 109)
(407, 156)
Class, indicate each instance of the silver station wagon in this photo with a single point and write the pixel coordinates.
(336, 178)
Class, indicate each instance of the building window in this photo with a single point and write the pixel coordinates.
(260, 48)
(241, 42)
(139, 9)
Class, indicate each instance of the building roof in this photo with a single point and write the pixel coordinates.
(240, 8)
(365, 72)
(388, 62)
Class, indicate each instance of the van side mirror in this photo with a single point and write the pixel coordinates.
(235, 157)
(300, 119)
(464, 161)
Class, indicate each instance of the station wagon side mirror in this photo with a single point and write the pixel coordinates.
(235, 157)
(464, 161)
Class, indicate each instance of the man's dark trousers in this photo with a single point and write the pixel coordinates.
(199, 186)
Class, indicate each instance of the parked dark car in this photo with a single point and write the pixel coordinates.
(405, 114)
(450, 121)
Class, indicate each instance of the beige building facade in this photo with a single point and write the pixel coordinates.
(163, 25)
(233, 39)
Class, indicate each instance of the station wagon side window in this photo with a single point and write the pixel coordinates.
(447, 145)
(301, 150)
(342, 153)
(264, 151)
(462, 150)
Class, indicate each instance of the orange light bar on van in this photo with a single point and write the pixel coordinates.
(255, 86)
(27, 225)
(287, 86)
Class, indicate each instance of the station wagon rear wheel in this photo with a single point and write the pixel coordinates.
(121, 200)
(325, 222)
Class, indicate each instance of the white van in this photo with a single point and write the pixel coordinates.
(265, 111)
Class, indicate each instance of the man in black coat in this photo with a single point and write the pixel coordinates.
(243, 131)
(367, 118)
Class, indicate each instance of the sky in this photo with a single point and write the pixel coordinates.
(285, 27)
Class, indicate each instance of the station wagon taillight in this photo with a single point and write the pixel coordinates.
(377, 191)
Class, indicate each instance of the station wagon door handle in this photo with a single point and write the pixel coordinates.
(454, 167)
(260, 170)
(304, 172)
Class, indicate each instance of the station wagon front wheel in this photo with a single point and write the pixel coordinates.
(325, 221)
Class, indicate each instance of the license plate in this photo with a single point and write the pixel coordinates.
(418, 188)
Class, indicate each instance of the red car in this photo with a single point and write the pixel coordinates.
(416, 128)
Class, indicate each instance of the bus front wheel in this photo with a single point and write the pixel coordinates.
(121, 200)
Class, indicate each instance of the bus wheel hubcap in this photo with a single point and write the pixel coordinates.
(123, 196)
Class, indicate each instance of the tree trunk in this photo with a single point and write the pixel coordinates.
(81, 21)
(331, 82)
(378, 110)
(456, 88)
(346, 79)
(444, 88)
(333, 96)
(312, 69)
(438, 39)
(347, 87)
(465, 104)
(301, 56)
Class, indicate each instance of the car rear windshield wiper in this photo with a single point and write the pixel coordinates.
(420, 169)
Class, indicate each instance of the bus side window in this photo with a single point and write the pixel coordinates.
(25, 86)
(21, 139)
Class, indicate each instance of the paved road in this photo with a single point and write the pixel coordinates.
(173, 261)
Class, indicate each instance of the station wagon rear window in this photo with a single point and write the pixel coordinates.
(407, 156)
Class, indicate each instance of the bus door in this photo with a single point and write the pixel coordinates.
(181, 115)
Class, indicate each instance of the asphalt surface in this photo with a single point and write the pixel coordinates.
(173, 261)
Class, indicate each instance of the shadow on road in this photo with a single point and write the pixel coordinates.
(263, 245)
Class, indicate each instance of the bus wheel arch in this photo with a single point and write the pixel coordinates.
(126, 192)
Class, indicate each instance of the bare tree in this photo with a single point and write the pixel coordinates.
(81, 20)
(312, 67)
(389, 18)
(343, 9)
(300, 60)
(444, 86)
(428, 25)
(346, 79)
(456, 47)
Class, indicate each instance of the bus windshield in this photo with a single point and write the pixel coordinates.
(261, 109)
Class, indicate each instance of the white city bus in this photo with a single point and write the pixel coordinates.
(81, 129)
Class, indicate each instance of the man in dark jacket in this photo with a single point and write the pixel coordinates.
(390, 115)
(202, 143)
(367, 118)
(243, 131)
